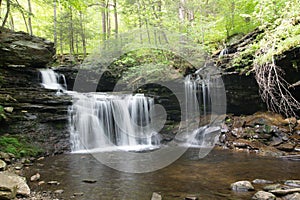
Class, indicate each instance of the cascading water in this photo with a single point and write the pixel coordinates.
(198, 93)
(53, 80)
(100, 122)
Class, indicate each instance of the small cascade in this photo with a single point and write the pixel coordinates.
(100, 121)
(198, 93)
(53, 80)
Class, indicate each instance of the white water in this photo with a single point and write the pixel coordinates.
(101, 122)
(198, 93)
(52, 80)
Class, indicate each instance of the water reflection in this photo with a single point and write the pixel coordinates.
(208, 178)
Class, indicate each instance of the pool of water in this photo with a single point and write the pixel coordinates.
(207, 178)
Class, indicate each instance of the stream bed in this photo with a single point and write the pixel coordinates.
(207, 178)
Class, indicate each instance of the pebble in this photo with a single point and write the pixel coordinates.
(241, 186)
(35, 177)
(41, 182)
(89, 181)
(156, 196)
(53, 183)
(59, 191)
(191, 198)
(78, 194)
(293, 183)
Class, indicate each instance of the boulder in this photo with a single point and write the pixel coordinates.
(8, 188)
(15, 181)
(19, 48)
(262, 195)
(2, 165)
(35, 177)
(241, 186)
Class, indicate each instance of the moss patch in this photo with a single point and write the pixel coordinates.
(19, 146)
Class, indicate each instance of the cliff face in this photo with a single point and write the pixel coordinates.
(36, 113)
(19, 48)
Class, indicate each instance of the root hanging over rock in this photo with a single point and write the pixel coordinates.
(274, 89)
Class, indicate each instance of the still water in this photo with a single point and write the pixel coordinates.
(207, 178)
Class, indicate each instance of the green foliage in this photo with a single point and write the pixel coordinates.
(19, 146)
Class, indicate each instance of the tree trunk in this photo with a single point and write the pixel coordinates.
(108, 19)
(71, 31)
(61, 36)
(54, 23)
(116, 19)
(29, 17)
(12, 23)
(82, 31)
(181, 11)
(103, 14)
(6, 14)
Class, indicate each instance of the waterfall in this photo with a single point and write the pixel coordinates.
(100, 121)
(53, 80)
(198, 93)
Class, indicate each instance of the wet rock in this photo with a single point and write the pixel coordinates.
(2, 165)
(191, 198)
(293, 183)
(272, 187)
(22, 187)
(241, 186)
(295, 196)
(89, 180)
(41, 182)
(53, 183)
(76, 194)
(262, 181)
(41, 158)
(9, 109)
(156, 196)
(276, 141)
(35, 177)
(59, 191)
(18, 167)
(285, 191)
(237, 132)
(286, 147)
(262, 195)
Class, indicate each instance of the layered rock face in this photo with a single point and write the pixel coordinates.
(19, 48)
